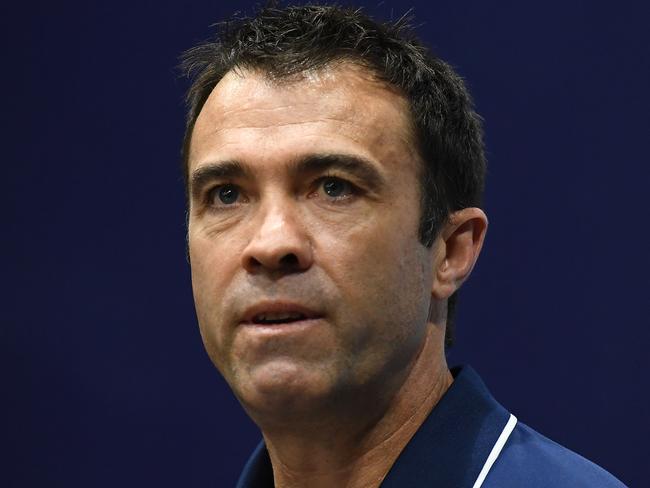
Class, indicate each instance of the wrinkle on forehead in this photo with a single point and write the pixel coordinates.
(343, 99)
(251, 90)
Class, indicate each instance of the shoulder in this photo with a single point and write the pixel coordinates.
(532, 460)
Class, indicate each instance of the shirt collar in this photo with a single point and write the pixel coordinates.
(448, 450)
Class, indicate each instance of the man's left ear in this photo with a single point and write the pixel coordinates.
(460, 241)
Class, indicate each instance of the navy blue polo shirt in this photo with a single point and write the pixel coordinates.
(469, 441)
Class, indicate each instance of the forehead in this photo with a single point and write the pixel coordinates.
(340, 108)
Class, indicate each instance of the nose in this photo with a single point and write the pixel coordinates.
(279, 243)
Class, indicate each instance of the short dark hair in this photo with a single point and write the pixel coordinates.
(286, 41)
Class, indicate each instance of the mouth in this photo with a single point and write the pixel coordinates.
(277, 313)
(278, 318)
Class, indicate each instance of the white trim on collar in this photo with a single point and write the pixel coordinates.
(496, 450)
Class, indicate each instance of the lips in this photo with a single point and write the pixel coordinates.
(277, 317)
(269, 313)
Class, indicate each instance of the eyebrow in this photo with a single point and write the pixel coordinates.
(358, 166)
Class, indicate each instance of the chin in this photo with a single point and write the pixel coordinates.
(283, 387)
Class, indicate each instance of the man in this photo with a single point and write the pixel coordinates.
(334, 173)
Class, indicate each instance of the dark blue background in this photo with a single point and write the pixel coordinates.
(105, 381)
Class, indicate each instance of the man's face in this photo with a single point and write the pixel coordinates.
(309, 280)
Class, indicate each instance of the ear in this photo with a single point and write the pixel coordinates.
(459, 244)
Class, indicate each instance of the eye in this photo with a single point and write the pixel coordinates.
(223, 195)
(336, 188)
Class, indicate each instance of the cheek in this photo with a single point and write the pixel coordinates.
(384, 306)
(211, 271)
(382, 272)
(380, 247)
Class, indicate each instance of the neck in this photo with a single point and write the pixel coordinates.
(357, 448)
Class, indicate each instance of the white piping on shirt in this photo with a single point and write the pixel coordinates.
(496, 450)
